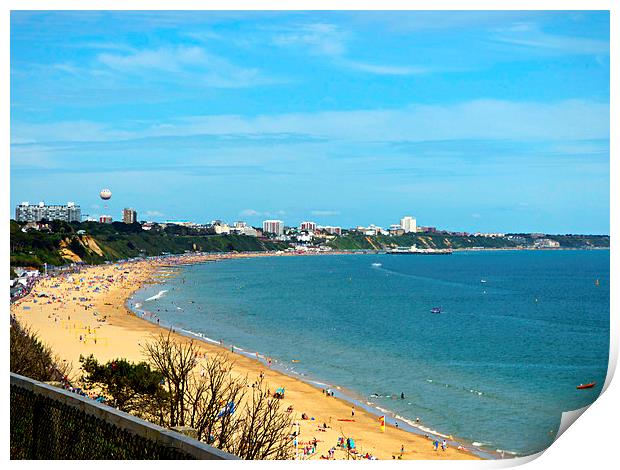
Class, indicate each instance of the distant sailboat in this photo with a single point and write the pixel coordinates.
(597, 283)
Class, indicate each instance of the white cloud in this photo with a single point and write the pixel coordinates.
(71, 131)
(153, 214)
(379, 69)
(331, 41)
(190, 63)
(324, 213)
(319, 38)
(528, 36)
(255, 213)
(479, 119)
(166, 59)
(249, 213)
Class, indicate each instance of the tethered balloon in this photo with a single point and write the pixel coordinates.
(105, 194)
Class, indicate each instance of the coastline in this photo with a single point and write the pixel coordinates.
(70, 327)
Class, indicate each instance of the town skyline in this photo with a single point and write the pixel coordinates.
(27, 212)
(473, 121)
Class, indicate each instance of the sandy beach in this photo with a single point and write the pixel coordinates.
(84, 313)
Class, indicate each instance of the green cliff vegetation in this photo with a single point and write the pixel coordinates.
(358, 241)
(96, 243)
(57, 243)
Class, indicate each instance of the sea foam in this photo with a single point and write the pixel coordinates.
(159, 295)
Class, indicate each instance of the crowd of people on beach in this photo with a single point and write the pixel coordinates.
(83, 288)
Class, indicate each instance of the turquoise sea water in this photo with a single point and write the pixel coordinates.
(497, 367)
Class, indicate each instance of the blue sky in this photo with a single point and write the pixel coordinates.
(477, 121)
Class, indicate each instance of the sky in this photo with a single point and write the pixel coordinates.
(491, 121)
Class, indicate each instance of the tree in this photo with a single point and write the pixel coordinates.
(215, 403)
(213, 400)
(265, 430)
(31, 358)
(175, 361)
(131, 386)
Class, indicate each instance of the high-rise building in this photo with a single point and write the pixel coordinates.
(408, 224)
(26, 212)
(310, 226)
(273, 226)
(332, 230)
(129, 215)
(105, 219)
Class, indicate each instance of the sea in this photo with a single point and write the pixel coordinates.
(516, 333)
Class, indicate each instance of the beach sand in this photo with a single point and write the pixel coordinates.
(71, 329)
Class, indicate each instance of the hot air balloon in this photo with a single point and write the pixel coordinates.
(105, 194)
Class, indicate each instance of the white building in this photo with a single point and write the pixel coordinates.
(309, 226)
(396, 229)
(304, 237)
(408, 224)
(249, 231)
(129, 215)
(332, 230)
(26, 212)
(373, 230)
(273, 226)
(221, 228)
(546, 243)
(242, 228)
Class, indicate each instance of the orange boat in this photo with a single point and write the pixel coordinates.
(582, 386)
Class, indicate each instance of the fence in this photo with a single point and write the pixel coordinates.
(51, 423)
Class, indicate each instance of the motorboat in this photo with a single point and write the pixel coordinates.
(584, 386)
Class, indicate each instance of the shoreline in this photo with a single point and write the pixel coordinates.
(351, 397)
(107, 314)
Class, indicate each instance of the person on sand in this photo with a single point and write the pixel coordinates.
(444, 445)
(436, 444)
(352, 411)
(402, 449)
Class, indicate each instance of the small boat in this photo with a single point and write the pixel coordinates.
(483, 281)
(436, 310)
(584, 386)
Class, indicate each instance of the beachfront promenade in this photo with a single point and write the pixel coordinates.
(51, 423)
